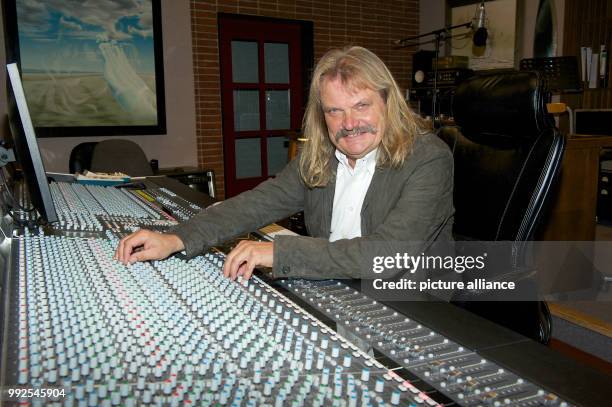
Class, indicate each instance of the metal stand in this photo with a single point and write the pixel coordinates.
(440, 35)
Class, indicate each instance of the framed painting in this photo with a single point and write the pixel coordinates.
(89, 68)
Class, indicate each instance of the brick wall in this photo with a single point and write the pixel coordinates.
(373, 24)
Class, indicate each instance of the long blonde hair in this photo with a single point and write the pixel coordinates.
(360, 68)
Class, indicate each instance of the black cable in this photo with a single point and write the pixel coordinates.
(14, 202)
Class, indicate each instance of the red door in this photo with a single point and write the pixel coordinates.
(261, 93)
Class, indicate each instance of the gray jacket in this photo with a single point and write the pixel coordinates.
(413, 203)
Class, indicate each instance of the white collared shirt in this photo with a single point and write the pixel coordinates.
(351, 187)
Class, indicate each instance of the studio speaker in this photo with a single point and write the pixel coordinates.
(421, 67)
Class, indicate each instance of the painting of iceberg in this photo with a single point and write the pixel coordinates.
(89, 63)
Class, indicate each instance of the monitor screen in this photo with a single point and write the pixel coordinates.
(26, 147)
(91, 69)
(593, 122)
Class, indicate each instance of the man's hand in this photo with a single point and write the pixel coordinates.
(246, 256)
(153, 245)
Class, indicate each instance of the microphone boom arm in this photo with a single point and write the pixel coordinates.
(480, 39)
(437, 33)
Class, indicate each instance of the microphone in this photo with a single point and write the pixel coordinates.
(481, 33)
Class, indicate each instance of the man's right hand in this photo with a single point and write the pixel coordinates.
(152, 245)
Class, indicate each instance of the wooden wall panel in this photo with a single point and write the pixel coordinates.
(588, 23)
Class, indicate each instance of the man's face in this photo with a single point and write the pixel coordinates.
(354, 118)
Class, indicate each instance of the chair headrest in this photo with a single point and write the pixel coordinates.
(508, 105)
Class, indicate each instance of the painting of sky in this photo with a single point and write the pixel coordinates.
(88, 63)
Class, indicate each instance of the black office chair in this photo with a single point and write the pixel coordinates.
(117, 155)
(80, 157)
(507, 156)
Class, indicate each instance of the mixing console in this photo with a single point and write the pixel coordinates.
(459, 373)
(176, 332)
(90, 208)
(85, 207)
(180, 208)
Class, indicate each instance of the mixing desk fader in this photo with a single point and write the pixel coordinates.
(458, 372)
(88, 210)
(180, 208)
(174, 332)
(92, 208)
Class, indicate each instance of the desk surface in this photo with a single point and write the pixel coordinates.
(588, 141)
(593, 315)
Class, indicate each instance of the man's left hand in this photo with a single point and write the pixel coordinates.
(246, 256)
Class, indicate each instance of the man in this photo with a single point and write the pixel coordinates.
(368, 174)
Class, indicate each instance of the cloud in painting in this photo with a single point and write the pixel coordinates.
(33, 16)
(87, 17)
(69, 25)
(142, 33)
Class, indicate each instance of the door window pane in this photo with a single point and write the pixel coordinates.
(277, 110)
(245, 68)
(248, 158)
(246, 110)
(276, 58)
(277, 154)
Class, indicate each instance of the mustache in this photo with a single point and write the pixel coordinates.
(355, 131)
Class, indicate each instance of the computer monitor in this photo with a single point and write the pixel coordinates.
(594, 122)
(26, 147)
